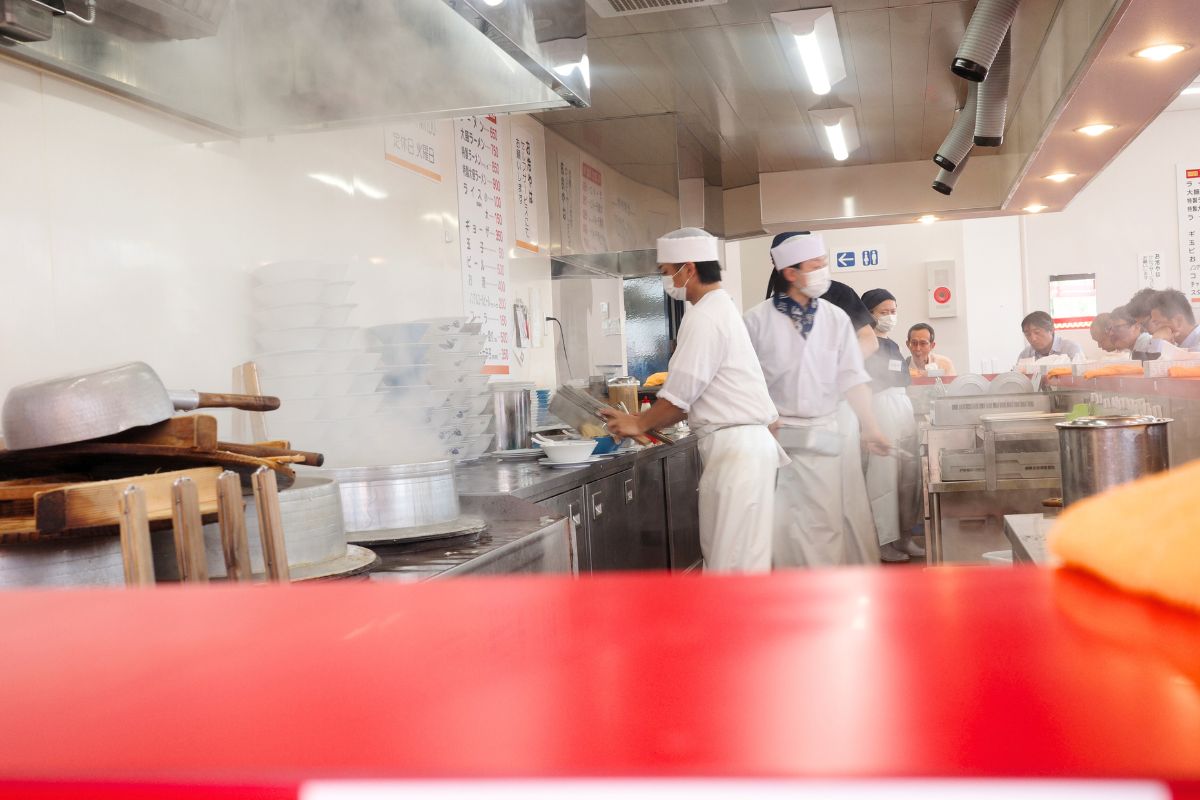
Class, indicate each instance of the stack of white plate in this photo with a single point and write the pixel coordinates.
(434, 385)
(310, 357)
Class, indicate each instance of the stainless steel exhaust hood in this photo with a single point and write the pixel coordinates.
(252, 67)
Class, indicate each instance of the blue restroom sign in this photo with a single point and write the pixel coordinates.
(860, 259)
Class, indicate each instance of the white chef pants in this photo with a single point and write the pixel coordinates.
(737, 498)
(862, 546)
(810, 530)
(893, 482)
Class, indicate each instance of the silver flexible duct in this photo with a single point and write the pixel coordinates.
(981, 42)
(946, 179)
(992, 106)
(959, 139)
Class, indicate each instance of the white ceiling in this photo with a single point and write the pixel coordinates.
(722, 70)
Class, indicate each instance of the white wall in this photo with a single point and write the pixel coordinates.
(908, 248)
(1127, 210)
(993, 305)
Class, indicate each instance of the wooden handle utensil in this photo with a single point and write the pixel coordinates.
(135, 539)
(232, 520)
(270, 525)
(189, 533)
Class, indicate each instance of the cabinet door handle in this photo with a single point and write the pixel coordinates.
(597, 506)
(629, 491)
(573, 513)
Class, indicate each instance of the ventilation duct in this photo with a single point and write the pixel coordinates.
(986, 30)
(946, 179)
(958, 142)
(992, 106)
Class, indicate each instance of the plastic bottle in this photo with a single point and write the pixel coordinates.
(645, 406)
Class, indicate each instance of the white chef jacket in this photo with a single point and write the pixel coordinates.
(714, 374)
(1192, 340)
(806, 377)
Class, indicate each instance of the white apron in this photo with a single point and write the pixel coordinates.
(737, 498)
(809, 525)
(893, 482)
(861, 544)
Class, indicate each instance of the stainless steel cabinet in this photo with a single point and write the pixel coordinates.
(609, 506)
(571, 505)
(644, 543)
(682, 473)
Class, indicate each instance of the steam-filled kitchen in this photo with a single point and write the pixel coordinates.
(531, 398)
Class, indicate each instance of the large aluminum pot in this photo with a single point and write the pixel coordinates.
(88, 561)
(397, 496)
(1098, 453)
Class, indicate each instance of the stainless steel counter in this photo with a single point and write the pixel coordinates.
(1027, 533)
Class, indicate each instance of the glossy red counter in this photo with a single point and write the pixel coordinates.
(858, 673)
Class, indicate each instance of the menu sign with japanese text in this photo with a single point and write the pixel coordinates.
(415, 148)
(524, 152)
(566, 205)
(1189, 231)
(1150, 271)
(591, 203)
(482, 234)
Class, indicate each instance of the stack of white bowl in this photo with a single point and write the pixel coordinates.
(434, 385)
(309, 357)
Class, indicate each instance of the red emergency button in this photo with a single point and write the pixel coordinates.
(941, 295)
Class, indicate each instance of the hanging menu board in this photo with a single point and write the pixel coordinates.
(566, 205)
(1150, 271)
(481, 234)
(525, 151)
(624, 227)
(415, 148)
(1189, 231)
(591, 202)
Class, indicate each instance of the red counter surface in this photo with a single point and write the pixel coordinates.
(248, 692)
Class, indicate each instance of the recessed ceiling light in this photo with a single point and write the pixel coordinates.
(1036, 208)
(1161, 52)
(1095, 129)
(1060, 177)
(928, 219)
(1193, 89)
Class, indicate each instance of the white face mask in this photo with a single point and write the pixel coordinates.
(673, 291)
(816, 283)
(885, 323)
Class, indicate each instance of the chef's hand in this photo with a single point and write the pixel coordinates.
(774, 428)
(877, 443)
(621, 425)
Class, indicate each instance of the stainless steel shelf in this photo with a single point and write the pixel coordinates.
(1006, 484)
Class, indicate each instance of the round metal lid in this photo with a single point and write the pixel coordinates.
(1115, 421)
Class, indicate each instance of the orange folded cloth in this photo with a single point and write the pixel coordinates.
(1184, 372)
(1114, 369)
(1058, 372)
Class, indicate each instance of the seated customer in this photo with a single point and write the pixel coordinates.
(921, 343)
(1172, 319)
(1128, 334)
(1043, 340)
(1101, 332)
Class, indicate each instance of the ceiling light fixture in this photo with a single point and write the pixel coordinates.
(840, 128)
(1060, 177)
(1193, 89)
(1160, 52)
(928, 219)
(1096, 129)
(1036, 208)
(810, 42)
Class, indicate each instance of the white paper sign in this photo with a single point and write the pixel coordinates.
(524, 152)
(1150, 271)
(1189, 230)
(591, 202)
(482, 234)
(566, 204)
(415, 148)
(860, 258)
(624, 224)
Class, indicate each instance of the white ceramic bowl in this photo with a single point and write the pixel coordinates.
(569, 452)
(476, 383)
(444, 324)
(478, 445)
(412, 375)
(468, 344)
(304, 315)
(398, 333)
(301, 338)
(317, 385)
(474, 426)
(468, 362)
(479, 403)
(336, 316)
(403, 355)
(459, 397)
(308, 362)
(293, 292)
(450, 434)
(459, 413)
(284, 271)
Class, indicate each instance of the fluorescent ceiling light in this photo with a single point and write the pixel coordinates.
(1060, 177)
(1161, 52)
(811, 44)
(1193, 89)
(928, 219)
(1036, 208)
(840, 129)
(1096, 129)
(493, 2)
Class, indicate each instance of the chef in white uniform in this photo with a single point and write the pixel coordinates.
(811, 358)
(715, 382)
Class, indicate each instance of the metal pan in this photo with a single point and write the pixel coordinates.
(92, 405)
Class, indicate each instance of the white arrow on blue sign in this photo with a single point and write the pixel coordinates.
(845, 258)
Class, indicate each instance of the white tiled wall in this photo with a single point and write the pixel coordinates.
(130, 235)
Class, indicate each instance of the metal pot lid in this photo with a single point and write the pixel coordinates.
(1115, 421)
(624, 380)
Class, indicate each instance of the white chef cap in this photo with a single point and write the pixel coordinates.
(797, 249)
(687, 244)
